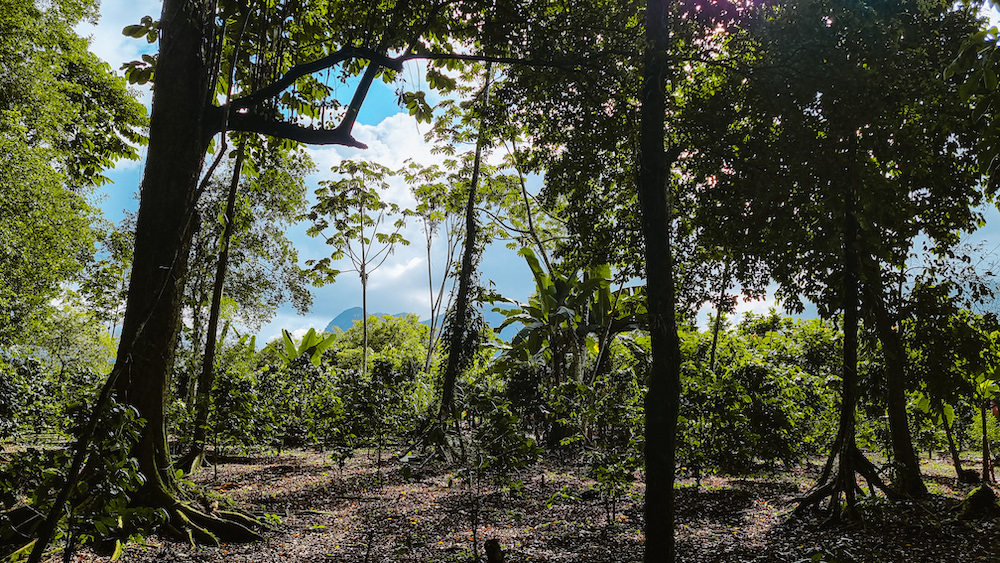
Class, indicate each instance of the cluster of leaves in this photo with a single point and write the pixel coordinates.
(99, 508)
(771, 398)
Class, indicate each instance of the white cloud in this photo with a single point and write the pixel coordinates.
(392, 272)
(294, 324)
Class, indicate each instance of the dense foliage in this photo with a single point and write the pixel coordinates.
(817, 151)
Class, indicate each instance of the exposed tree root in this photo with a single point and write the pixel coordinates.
(193, 460)
(979, 504)
(841, 487)
(195, 526)
(19, 526)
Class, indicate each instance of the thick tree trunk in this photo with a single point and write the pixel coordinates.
(178, 142)
(663, 395)
(163, 232)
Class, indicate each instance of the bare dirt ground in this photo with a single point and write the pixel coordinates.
(372, 512)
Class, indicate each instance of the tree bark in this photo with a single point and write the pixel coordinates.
(456, 354)
(460, 317)
(185, 80)
(663, 394)
(849, 397)
(178, 142)
(955, 458)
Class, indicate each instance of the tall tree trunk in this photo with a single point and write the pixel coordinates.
(849, 396)
(163, 232)
(459, 321)
(194, 458)
(845, 449)
(908, 479)
(663, 395)
(364, 316)
(987, 466)
(179, 135)
(457, 356)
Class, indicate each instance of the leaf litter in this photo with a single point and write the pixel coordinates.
(368, 511)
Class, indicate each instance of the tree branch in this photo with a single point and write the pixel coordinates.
(292, 131)
(298, 71)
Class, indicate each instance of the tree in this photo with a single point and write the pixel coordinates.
(836, 162)
(436, 208)
(64, 118)
(272, 195)
(354, 206)
(463, 326)
(662, 401)
(206, 48)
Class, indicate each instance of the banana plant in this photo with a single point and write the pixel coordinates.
(312, 343)
(566, 313)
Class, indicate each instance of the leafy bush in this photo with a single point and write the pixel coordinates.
(770, 398)
(501, 443)
(100, 505)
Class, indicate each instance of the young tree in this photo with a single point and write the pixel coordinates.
(356, 210)
(266, 193)
(437, 210)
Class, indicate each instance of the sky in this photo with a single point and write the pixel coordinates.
(393, 137)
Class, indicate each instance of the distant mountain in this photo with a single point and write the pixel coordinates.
(346, 319)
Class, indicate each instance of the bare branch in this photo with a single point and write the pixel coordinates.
(292, 131)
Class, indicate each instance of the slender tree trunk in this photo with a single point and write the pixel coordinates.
(460, 318)
(849, 398)
(908, 479)
(364, 318)
(434, 304)
(194, 458)
(955, 458)
(987, 466)
(718, 316)
(663, 395)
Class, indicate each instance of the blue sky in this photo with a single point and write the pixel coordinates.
(393, 137)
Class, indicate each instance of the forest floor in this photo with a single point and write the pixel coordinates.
(362, 512)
